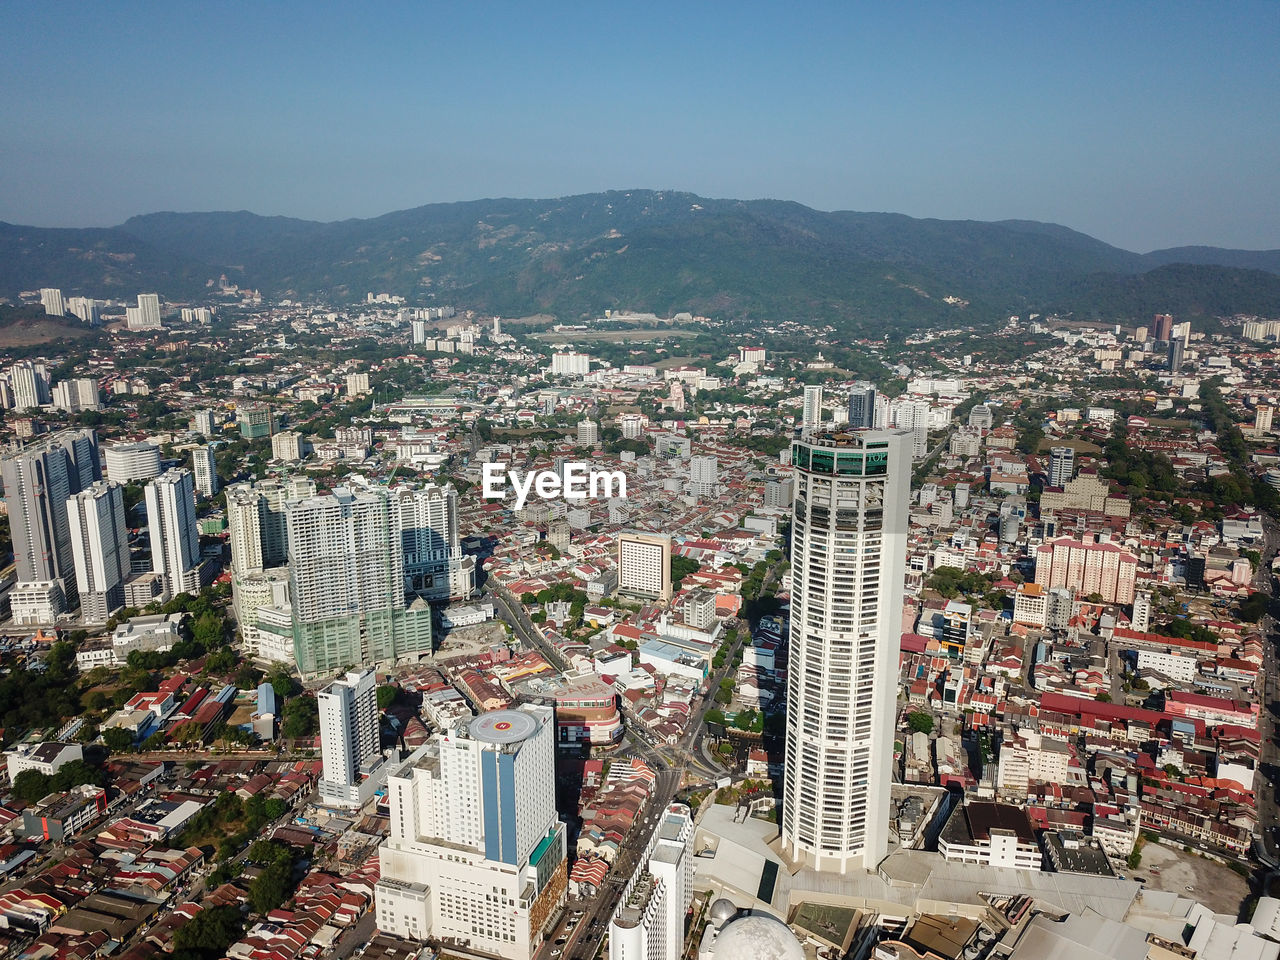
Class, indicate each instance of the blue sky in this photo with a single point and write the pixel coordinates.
(1144, 124)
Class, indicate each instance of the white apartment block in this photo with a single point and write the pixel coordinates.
(127, 462)
(357, 384)
(76, 395)
(434, 564)
(171, 526)
(811, 415)
(146, 315)
(349, 731)
(649, 919)
(204, 466)
(1029, 758)
(570, 364)
(1175, 666)
(51, 300)
(100, 546)
(703, 475)
(849, 536)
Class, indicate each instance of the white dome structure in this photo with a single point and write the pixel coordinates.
(722, 910)
(758, 936)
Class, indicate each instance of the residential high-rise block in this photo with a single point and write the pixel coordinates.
(476, 856)
(1062, 466)
(349, 740)
(347, 583)
(644, 565)
(38, 481)
(570, 364)
(648, 923)
(76, 395)
(205, 423)
(171, 525)
(287, 445)
(1141, 619)
(703, 475)
(51, 300)
(86, 308)
(204, 465)
(1088, 567)
(100, 548)
(30, 384)
(435, 567)
(1262, 418)
(862, 406)
(146, 315)
(849, 538)
(127, 462)
(357, 384)
(256, 525)
(588, 433)
(812, 414)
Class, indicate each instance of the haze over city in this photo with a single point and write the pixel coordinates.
(1146, 126)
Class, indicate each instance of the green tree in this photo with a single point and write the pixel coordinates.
(920, 722)
(387, 694)
(207, 935)
(31, 786)
(117, 740)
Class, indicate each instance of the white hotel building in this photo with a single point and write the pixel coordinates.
(476, 857)
(849, 535)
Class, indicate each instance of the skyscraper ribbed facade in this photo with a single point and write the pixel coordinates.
(849, 537)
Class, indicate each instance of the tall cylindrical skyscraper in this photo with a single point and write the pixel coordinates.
(849, 539)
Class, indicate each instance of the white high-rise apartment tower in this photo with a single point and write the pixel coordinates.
(86, 308)
(349, 739)
(570, 364)
(100, 546)
(30, 384)
(648, 923)
(812, 415)
(51, 300)
(475, 858)
(1062, 466)
(435, 567)
(703, 475)
(347, 582)
(204, 464)
(849, 539)
(146, 315)
(75, 395)
(38, 481)
(171, 525)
